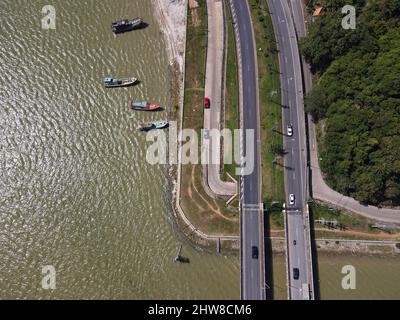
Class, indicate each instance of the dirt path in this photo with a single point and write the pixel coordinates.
(214, 208)
(210, 205)
(347, 233)
(193, 5)
(379, 236)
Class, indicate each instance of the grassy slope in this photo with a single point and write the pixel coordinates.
(209, 215)
(350, 222)
(232, 86)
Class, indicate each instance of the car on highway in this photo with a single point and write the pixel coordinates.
(207, 103)
(254, 252)
(296, 273)
(294, 242)
(289, 130)
(291, 199)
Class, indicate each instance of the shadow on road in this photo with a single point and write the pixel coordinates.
(269, 281)
(277, 131)
(314, 254)
(286, 167)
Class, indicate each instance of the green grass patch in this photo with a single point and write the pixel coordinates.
(270, 107)
(345, 220)
(232, 83)
(321, 234)
(276, 217)
(380, 249)
(209, 215)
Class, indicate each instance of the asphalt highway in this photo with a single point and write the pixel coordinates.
(252, 222)
(295, 148)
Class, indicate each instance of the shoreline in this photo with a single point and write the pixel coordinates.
(171, 15)
(172, 18)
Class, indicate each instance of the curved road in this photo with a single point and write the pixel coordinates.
(320, 190)
(213, 90)
(251, 216)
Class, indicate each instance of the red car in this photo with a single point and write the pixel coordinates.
(206, 102)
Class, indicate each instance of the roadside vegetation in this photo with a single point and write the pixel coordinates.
(212, 216)
(356, 98)
(232, 85)
(270, 112)
(331, 222)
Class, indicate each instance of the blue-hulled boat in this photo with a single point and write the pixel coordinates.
(154, 125)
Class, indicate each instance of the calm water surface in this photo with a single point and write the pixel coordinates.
(75, 189)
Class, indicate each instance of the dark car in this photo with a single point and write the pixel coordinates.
(296, 273)
(294, 242)
(206, 102)
(254, 252)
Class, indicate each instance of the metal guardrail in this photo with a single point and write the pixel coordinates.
(240, 78)
(309, 251)
(286, 254)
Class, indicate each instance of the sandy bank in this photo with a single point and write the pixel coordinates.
(172, 17)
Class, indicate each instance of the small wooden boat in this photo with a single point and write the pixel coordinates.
(125, 25)
(115, 83)
(153, 125)
(143, 106)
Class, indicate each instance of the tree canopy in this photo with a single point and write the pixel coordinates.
(357, 93)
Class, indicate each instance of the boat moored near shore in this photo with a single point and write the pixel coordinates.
(125, 25)
(144, 106)
(110, 82)
(153, 125)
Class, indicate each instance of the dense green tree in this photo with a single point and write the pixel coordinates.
(357, 93)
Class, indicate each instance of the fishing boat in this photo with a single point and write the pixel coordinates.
(125, 25)
(123, 82)
(143, 106)
(153, 125)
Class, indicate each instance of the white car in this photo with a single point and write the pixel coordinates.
(291, 199)
(289, 130)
